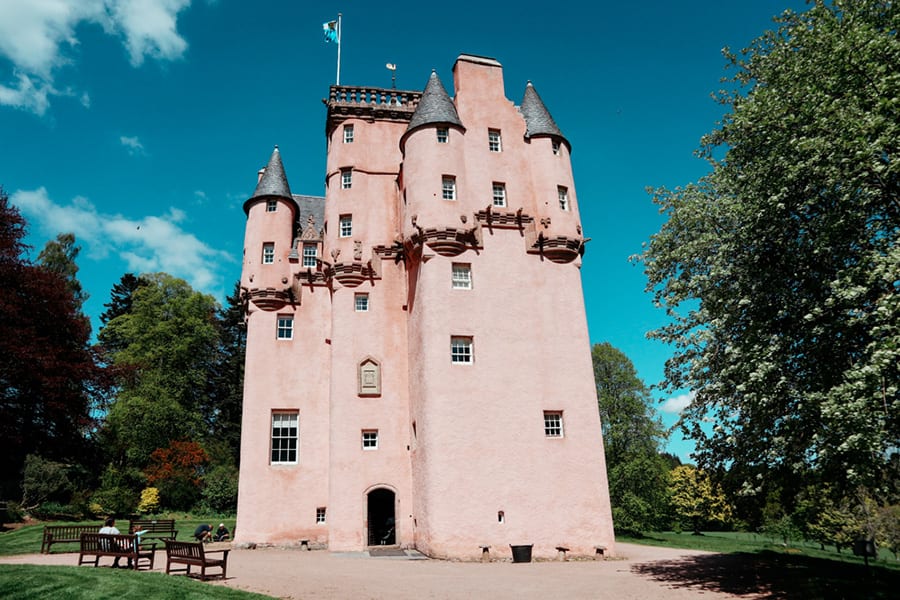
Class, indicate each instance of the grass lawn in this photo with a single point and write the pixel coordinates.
(31, 582)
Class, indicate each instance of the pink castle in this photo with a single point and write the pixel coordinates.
(418, 364)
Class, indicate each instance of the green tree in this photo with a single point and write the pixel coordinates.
(696, 499)
(780, 268)
(121, 299)
(59, 256)
(632, 436)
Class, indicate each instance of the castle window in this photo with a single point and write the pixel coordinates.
(370, 439)
(499, 194)
(346, 179)
(285, 329)
(448, 187)
(310, 253)
(462, 276)
(268, 255)
(285, 435)
(361, 302)
(563, 193)
(494, 140)
(443, 135)
(461, 350)
(555, 147)
(346, 227)
(553, 423)
(320, 515)
(271, 205)
(348, 134)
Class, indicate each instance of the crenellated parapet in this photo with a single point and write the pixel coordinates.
(384, 104)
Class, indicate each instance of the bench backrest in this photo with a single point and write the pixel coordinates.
(153, 525)
(192, 550)
(69, 531)
(106, 542)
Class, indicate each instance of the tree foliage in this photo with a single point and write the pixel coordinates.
(632, 436)
(59, 256)
(177, 471)
(781, 268)
(696, 498)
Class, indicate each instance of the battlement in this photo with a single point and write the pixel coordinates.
(383, 104)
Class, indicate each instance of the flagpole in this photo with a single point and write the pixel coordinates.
(338, 80)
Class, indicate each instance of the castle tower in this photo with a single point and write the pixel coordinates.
(439, 371)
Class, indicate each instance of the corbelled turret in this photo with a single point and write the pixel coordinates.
(435, 108)
(273, 182)
(538, 121)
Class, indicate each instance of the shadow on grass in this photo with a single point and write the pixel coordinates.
(774, 575)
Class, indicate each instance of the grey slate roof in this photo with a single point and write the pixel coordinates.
(434, 107)
(538, 121)
(273, 182)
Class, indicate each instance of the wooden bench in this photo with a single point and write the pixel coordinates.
(115, 546)
(193, 554)
(161, 529)
(61, 534)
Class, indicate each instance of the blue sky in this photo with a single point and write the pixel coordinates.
(139, 125)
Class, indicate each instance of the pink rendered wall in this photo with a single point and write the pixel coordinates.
(267, 227)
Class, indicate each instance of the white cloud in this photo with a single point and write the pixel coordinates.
(36, 34)
(147, 244)
(133, 144)
(678, 403)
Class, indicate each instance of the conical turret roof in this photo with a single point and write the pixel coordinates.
(434, 107)
(538, 121)
(273, 182)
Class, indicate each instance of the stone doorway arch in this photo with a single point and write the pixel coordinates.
(381, 517)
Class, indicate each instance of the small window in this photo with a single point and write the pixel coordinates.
(320, 515)
(285, 329)
(268, 255)
(271, 205)
(348, 134)
(499, 194)
(370, 439)
(443, 135)
(310, 254)
(555, 147)
(494, 140)
(563, 197)
(448, 187)
(501, 516)
(553, 424)
(462, 276)
(461, 350)
(361, 302)
(285, 437)
(346, 179)
(346, 228)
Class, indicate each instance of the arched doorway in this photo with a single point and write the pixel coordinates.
(381, 518)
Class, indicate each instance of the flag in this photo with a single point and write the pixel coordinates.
(330, 30)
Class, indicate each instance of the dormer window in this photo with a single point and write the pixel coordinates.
(310, 253)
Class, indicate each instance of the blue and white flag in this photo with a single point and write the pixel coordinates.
(331, 31)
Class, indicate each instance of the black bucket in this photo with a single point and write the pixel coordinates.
(521, 554)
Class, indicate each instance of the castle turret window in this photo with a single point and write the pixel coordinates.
(555, 147)
(285, 437)
(271, 205)
(348, 134)
(499, 194)
(553, 423)
(285, 330)
(346, 179)
(370, 439)
(448, 187)
(443, 135)
(494, 144)
(563, 193)
(461, 350)
(268, 253)
(346, 226)
(462, 276)
(310, 253)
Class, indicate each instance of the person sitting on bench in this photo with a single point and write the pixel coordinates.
(109, 528)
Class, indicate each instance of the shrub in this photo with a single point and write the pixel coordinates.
(149, 501)
(220, 488)
(43, 481)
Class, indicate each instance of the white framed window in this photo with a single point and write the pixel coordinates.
(285, 328)
(553, 423)
(268, 254)
(499, 194)
(271, 205)
(285, 437)
(448, 187)
(563, 193)
(443, 135)
(320, 515)
(494, 144)
(310, 254)
(361, 302)
(555, 145)
(461, 350)
(346, 226)
(346, 179)
(348, 134)
(462, 276)
(370, 439)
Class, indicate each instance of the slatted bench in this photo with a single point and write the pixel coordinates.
(193, 554)
(161, 529)
(62, 534)
(116, 546)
